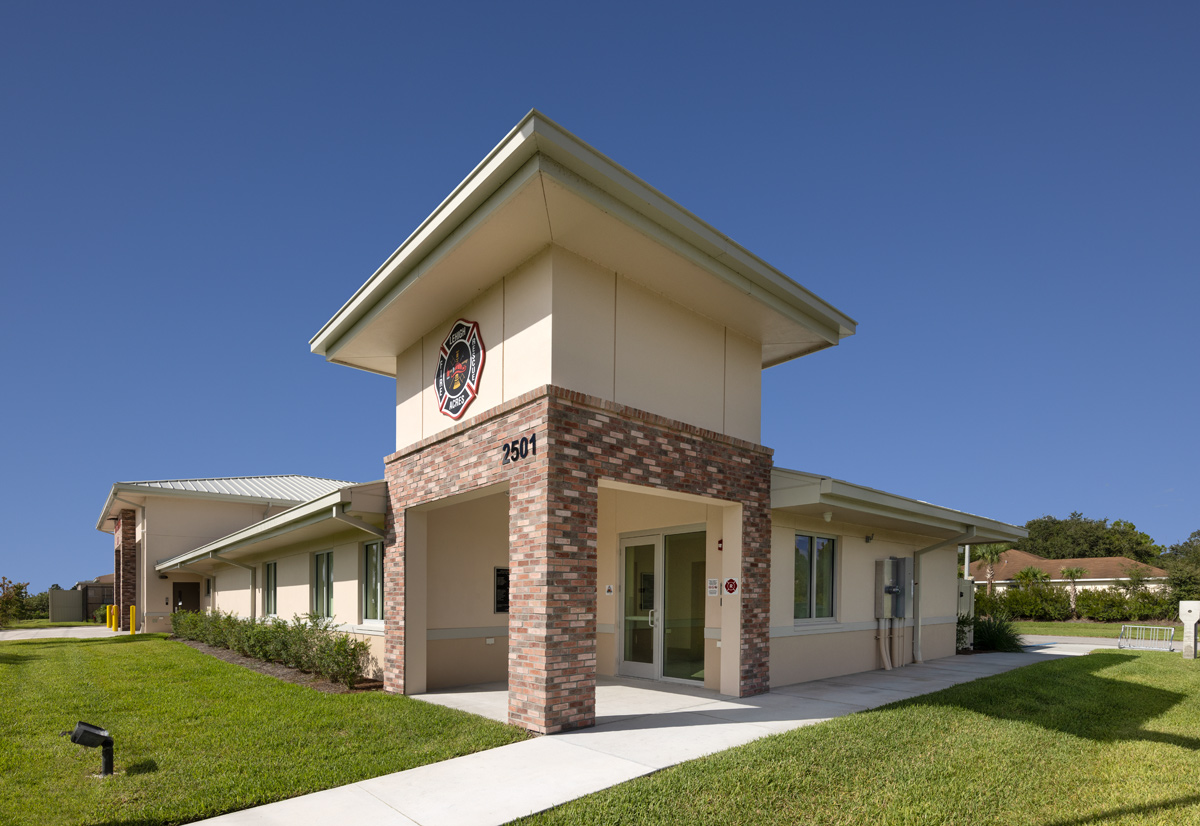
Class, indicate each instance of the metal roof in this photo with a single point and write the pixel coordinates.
(289, 488)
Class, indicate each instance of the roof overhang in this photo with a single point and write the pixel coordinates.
(357, 507)
(123, 495)
(542, 186)
(807, 494)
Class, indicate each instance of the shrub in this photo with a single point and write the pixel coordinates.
(962, 632)
(996, 633)
(988, 605)
(1102, 605)
(1037, 601)
(310, 643)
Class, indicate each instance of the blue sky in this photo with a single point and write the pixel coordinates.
(1005, 196)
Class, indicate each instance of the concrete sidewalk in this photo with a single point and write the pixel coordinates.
(70, 632)
(642, 726)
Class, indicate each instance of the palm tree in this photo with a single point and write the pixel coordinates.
(990, 554)
(1028, 576)
(1072, 574)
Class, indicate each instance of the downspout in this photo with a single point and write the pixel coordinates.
(881, 634)
(917, 590)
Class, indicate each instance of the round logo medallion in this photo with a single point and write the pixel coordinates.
(460, 363)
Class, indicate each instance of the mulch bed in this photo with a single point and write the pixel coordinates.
(282, 672)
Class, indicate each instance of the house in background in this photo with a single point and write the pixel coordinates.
(1102, 572)
(578, 487)
(156, 520)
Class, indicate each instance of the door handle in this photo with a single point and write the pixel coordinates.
(652, 618)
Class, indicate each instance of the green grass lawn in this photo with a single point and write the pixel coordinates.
(1110, 738)
(195, 736)
(45, 623)
(1110, 630)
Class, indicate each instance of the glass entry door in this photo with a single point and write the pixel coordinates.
(662, 606)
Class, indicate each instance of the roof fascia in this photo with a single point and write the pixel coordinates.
(836, 493)
(308, 513)
(142, 490)
(432, 251)
(538, 134)
(694, 250)
(504, 159)
(601, 171)
(300, 516)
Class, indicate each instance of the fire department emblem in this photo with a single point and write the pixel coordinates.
(460, 363)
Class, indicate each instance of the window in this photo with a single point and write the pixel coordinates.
(207, 587)
(814, 577)
(373, 581)
(270, 587)
(323, 584)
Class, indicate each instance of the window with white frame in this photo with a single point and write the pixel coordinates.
(816, 564)
(323, 584)
(270, 589)
(372, 599)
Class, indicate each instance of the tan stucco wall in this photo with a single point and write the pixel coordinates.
(459, 662)
(558, 319)
(801, 652)
(172, 525)
(231, 591)
(466, 542)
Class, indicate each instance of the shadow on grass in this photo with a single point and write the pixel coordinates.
(143, 767)
(1067, 696)
(1123, 811)
(7, 658)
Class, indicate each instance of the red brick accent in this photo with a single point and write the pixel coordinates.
(125, 563)
(552, 531)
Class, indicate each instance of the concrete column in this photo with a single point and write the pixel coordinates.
(1189, 612)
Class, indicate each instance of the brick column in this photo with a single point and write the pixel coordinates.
(125, 586)
(552, 596)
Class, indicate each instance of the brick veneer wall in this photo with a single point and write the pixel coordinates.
(552, 531)
(125, 586)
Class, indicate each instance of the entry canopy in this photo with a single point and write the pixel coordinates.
(810, 495)
(359, 508)
(543, 186)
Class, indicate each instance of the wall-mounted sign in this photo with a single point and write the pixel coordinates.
(501, 591)
(731, 586)
(714, 587)
(460, 364)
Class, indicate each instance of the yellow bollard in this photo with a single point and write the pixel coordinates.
(108, 616)
(132, 618)
(112, 617)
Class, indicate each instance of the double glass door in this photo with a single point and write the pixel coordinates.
(662, 606)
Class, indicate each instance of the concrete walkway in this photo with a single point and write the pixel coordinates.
(72, 632)
(642, 726)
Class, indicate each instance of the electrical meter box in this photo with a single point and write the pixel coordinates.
(893, 588)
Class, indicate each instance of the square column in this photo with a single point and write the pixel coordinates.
(125, 560)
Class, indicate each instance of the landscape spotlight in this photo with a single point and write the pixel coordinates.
(89, 736)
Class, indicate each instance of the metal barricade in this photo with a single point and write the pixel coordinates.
(1146, 637)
